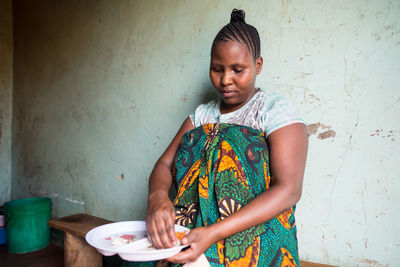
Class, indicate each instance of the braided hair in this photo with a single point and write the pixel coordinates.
(238, 30)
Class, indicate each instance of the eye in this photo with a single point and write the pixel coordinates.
(238, 70)
(216, 69)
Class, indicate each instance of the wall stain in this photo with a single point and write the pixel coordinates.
(388, 134)
(313, 96)
(315, 127)
(370, 262)
(327, 134)
(389, 27)
(77, 116)
(380, 214)
(68, 170)
(31, 166)
(1, 120)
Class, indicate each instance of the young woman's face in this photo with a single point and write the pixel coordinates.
(233, 73)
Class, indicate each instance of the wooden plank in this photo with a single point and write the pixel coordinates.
(77, 224)
(313, 264)
(77, 253)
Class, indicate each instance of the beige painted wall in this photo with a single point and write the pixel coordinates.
(102, 86)
(6, 67)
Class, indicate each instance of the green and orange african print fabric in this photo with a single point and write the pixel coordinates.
(218, 169)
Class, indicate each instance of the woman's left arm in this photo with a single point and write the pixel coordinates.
(288, 153)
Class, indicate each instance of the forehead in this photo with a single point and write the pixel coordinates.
(231, 52)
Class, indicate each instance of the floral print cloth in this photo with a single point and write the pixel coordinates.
(218, 169)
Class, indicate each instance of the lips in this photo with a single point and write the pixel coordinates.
(227, 94)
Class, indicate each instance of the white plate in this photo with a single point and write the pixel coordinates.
(136, 251)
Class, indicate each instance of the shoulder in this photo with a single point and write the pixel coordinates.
(204, 113)
(271, 99)
(277, 112)
(207, 106)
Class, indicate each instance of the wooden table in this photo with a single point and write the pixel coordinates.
(76, 251)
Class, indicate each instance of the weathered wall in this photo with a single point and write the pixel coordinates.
(102, 86)
(6, 55)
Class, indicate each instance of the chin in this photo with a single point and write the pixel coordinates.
(230, 102)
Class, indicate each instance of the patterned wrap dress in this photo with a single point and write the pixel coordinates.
(218, 169)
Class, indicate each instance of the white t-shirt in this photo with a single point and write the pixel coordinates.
(266, 111)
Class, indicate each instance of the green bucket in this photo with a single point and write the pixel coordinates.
(26, 222)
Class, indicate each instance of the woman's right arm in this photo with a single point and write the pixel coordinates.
(160, 219)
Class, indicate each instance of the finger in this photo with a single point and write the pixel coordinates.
(183, 256)
(148, 230)
(187, 239)
(155, 238)
(163, 233)
(171, 229)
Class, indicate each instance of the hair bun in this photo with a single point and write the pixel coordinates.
(237, 16)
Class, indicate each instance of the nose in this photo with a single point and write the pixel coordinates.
(226, 78)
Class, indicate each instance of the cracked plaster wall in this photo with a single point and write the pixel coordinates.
(102, 86)
(6, 51)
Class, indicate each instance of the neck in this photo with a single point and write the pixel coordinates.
(226, 108)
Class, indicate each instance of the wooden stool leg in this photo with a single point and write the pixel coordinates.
(77, 253)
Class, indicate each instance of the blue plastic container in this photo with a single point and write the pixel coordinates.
(3, 236)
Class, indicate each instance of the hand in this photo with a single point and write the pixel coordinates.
(200, 239)
(160, 221)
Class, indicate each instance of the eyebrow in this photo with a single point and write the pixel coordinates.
(236, 65)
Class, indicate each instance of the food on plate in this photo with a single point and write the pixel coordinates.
(119, 240)
(126, 238)
(180, 235)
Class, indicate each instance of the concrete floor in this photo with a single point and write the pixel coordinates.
(52, 256)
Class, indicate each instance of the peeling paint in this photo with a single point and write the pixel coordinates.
(313, 96)
(370, 262)
(1, 123)
(315, 127)
(56, 195)
(327, 134)
(381, 133)
(74, 201)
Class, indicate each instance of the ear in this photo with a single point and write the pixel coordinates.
(259, 64)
